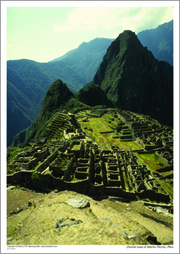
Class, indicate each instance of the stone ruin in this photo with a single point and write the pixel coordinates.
(81, 164)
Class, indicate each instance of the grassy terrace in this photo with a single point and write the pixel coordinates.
(94, 126)
(152, 161)
(75, 147)
(167, 188)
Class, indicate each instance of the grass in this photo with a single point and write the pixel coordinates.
(97, 125)
(167, 187)
(152, 161)
(76, 180)
(106, 139)
(18, 198)
(75, 147)
(131, 145)
(13, 152)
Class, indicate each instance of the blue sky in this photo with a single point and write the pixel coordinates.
(42, 31)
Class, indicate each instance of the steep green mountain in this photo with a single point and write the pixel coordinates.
(134, 80)
(159, 41)
(28, 81)
(58, 98)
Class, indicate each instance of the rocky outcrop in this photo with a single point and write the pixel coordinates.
(78, 202)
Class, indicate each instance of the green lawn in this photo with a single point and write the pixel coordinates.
(152, 161)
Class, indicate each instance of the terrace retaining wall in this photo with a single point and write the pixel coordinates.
(46, 162)
(162, 158)
(48, 182)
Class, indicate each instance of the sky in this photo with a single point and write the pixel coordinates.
(43, 31)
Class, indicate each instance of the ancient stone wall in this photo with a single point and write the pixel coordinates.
(94, 170)
(46, 162)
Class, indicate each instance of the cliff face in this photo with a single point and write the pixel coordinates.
(134, 80)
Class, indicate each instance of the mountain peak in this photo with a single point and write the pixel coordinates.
(57, 94)
(134, 80)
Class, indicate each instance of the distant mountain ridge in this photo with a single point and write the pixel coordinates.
(28, 81)
(159, 41)
(128, 78)
(94, 46)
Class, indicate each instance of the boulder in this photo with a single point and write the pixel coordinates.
(78, 202)
(65, 222)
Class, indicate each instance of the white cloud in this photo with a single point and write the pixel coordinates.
(107, 18)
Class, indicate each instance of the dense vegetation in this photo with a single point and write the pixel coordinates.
(93, 96)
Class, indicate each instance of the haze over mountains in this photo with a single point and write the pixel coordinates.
(159, 41)
(28, 81)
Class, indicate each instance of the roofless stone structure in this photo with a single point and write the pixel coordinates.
(78, 163)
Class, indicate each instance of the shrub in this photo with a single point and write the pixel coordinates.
(35, 176)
